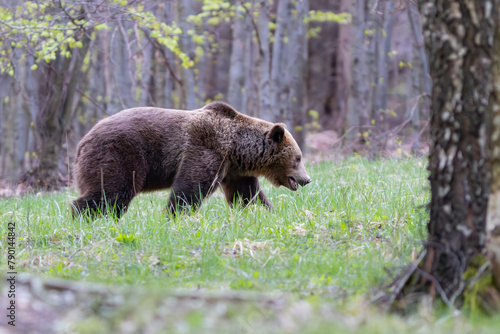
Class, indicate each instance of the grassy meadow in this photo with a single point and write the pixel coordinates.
(322, 250)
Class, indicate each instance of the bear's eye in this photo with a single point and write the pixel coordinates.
(298, 159)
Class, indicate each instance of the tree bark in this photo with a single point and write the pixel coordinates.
(458, 36)
(460, 56)
(493, 217)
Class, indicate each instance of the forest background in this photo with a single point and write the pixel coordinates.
(341, 74)
(345, 76)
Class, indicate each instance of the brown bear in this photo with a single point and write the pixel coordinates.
(192, 152)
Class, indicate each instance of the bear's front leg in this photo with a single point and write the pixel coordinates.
(245, 189)
(199, 175)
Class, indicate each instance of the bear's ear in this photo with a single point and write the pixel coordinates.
(277, 132)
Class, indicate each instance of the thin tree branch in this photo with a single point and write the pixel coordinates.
(165, 58)
(252, 20)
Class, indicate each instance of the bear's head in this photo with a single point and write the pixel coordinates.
(286, 167)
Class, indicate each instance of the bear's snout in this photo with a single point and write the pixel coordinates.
(295, 181)
(302, 181)
(301, 176)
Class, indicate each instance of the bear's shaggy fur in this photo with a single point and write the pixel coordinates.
(192, 152)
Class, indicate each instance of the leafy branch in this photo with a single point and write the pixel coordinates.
(43, 30)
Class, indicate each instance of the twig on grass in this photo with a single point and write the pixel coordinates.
(387, 299)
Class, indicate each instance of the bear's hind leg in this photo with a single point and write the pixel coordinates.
(245, 189)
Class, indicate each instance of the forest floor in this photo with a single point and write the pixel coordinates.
(310, 266)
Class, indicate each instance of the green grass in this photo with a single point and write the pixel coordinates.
(330, 243)
(333, 236)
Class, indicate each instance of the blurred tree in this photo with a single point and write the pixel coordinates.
(184, 10)
(57, 35)
(421, 81)
(236, 66)
(263, 62)
(357, 103)
(342, 69)
(381, 27)
(296, 70)
(279, 86)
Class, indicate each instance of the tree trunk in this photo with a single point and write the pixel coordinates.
(23, 122)
(461, 75)
(58, 83)
(416, 28)
(236, 69)
(493, 217)
(297, 68)
(12, 107)
(110, 103)
(144, 60)
(412, 103)
(262, 63)
(277, 60)
(357, 104)
(184, 9)
(343, 67)
(458, 37)
(249, 96)
(420, 71)
(124, 65)
(383, 47)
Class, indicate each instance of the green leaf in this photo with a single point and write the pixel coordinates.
(213, 21)
(101, 26)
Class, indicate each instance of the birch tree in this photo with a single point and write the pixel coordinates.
(459, 39)
(493, 217)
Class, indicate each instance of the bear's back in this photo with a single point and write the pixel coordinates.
(152, 131)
